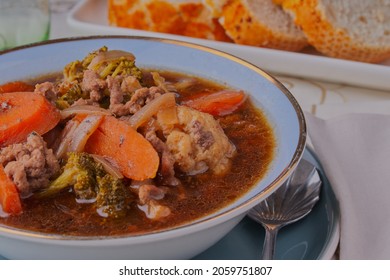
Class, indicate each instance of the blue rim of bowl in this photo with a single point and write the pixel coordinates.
(201, 223)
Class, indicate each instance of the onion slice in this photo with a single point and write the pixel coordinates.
(109, 166)
(161, 83)
(83, 131)
(84, 109)
(66, 136)
(167, 118)
(149, 110)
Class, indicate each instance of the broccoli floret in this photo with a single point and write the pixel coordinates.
(73, 75)
(80, 171)
(107, 63)
(73, 94)
(91, 183)
(74, 70)
(111, 198)
(116, 67)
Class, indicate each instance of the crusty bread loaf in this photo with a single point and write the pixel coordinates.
(348, 29)
(260, 23)
(183, 17)
(251, 22)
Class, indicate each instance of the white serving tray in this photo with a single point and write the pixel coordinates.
(90, 16)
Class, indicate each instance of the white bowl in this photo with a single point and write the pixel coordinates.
(280, 107)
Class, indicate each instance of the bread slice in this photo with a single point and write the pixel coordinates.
(182, 17)
(260, 23)
(348, 29)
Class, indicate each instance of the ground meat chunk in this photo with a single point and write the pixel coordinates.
(48, 90)
(30, 164)
(199, 143)
(116, 92)
(119, 87)
(167, 160)
(117, 107)
(143, 96)
(130, 84)
(93, 84)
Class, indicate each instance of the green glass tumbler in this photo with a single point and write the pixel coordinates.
(23, 22)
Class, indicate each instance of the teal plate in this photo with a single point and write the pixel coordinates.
(314, 237)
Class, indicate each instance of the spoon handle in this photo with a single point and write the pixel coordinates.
(269, 242)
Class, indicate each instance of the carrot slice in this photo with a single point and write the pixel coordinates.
(9, 196)
(15, 87)
(135, 156)
(218, 103)
(24, 112)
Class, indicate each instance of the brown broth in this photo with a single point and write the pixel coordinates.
(247, 128)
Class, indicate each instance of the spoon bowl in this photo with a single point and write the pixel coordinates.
(290, 203)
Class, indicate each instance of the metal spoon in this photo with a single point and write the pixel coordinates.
(291, 202)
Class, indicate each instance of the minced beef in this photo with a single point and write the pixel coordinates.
(30, 164)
